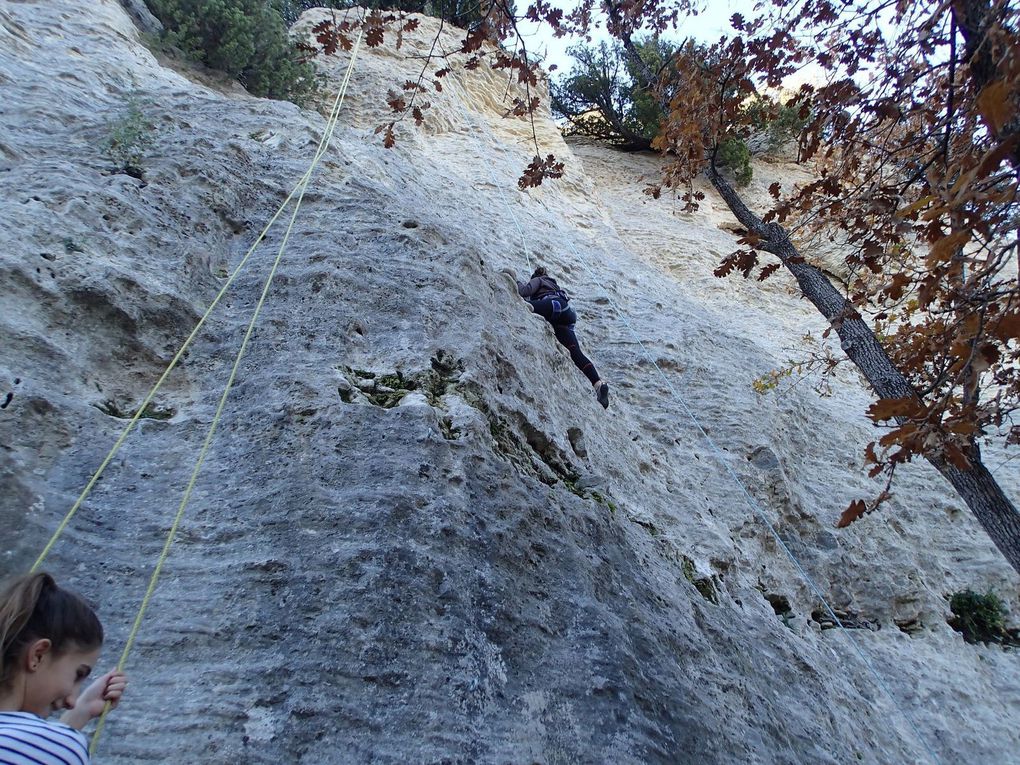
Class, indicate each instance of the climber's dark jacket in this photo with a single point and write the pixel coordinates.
(540, 287)
(552, 303)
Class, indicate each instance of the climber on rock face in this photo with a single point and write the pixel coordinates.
(551, 302)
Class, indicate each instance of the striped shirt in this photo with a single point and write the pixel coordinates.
(27, 739)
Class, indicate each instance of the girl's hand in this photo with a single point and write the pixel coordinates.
(90, 703)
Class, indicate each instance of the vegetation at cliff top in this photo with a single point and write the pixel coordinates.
(603, 97)
(246, 39)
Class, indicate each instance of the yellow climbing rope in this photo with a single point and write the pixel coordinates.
(299, 189)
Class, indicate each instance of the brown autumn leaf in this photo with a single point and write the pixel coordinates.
(854, 511)
(750, 238)
(963, 428)
(956, 456)
(539, 170)
(374, 36)
(889, 408)
(895, 289)
(869, 454)
(330, 38)
(946, 247)
(1007, 327)
(725, 268)
(475, 38)
(995, 105)
(396, 102)
(887, 109)
(522, 108)
(902, 435)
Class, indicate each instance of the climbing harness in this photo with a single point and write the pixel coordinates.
(858, 649)
(298, 190)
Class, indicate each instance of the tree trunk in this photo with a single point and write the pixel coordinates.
(974, 19)
(976, 486)
(986, 500)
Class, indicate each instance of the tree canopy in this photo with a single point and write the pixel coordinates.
(246, 39)
(602, 98)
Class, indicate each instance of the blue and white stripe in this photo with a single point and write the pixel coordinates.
(26, 739)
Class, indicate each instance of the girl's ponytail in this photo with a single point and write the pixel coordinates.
(17, 604)
(33, 607)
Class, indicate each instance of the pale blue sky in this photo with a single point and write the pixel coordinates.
(707, 26)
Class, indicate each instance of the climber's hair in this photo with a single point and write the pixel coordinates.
(33, 607)
(540, 271)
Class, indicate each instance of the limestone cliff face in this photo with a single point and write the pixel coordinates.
(489, 568)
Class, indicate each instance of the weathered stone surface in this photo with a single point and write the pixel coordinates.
(143, 18)
(468, 561)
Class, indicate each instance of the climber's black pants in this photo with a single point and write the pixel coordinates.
(558, 312)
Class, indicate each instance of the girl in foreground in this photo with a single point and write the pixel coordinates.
(50, 642)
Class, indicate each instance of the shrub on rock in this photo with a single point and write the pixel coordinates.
(247, 39)
(981, 618)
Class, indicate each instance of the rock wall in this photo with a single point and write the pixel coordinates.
(417, 537)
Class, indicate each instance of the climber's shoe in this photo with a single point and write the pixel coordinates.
(602, 394)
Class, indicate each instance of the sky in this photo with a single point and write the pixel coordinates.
(707, 26)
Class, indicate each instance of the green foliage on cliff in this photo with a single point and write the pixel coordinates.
(247, 39)
(130, 136)
(458, 12)
(981, 618)
(602, 96)
(734, 154)
(779, 122)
